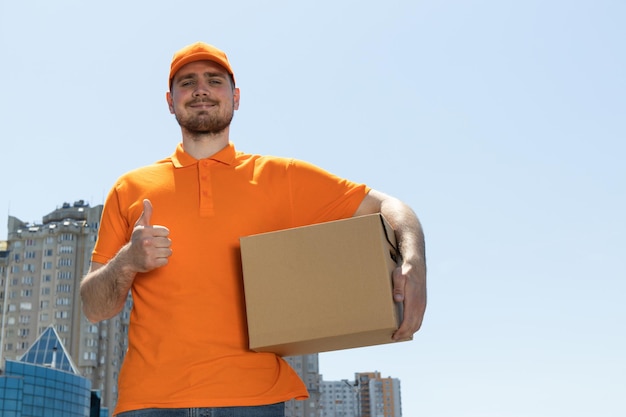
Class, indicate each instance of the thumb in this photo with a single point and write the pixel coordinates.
(146, 215)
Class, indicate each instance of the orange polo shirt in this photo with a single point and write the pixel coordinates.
(188, 343)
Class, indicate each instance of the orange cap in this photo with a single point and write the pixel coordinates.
(199, 51)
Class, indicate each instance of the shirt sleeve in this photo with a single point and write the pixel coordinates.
(114, 231)
(318, 196)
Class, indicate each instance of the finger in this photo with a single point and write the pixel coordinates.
(408, 326)
(146, 214)
(406, 329)
(161, 242)
(399, 285)
(412, 321)
(413, 294)
(160, 231)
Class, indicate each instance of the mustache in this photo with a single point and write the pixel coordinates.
(203, 100)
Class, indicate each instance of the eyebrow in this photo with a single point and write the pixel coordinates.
(216, 74)
(207, 74)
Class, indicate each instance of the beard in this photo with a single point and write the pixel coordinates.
(206, 122)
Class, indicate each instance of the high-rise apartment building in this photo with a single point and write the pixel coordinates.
(40, 272)
(307, 367)
(368, 395)
(339, 399)
(378, 397)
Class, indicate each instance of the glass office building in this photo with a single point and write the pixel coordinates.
(45, 383)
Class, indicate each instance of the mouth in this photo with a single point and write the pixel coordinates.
(202, 105)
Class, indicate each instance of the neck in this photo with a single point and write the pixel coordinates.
(205, 145)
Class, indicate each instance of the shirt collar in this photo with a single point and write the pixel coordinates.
(181, 159)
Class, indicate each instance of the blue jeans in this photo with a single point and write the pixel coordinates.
(273, 410)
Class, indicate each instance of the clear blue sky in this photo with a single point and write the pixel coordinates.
(502, 123)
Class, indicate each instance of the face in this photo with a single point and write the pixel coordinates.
(202, 98)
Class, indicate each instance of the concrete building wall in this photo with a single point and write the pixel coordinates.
(41, 271)
(339, 399)
(307, 367)
(378, 397)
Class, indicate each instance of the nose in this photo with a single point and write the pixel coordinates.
(202, 89)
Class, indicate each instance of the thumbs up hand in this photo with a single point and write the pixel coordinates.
(149, 246)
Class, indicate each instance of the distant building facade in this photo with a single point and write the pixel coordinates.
(307, 367)
(339, 399)
(368, 395)
(45, 382)
(41, 267)
(378, 397)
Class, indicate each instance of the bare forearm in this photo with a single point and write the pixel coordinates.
(409, 233)
(409, 278)
(105, 288)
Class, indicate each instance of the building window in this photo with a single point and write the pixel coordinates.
(64, 288)
(67, 237)
(47, 265)
(65, 262)
(63, 301)
(26, 293)
(64, 275)
(45, 291)
(27, 280)
(48, 252)
(66, 249)
(61, 314)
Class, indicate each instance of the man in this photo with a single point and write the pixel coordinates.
(170, 234)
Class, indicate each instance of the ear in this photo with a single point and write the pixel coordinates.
(236, 96)
(170, 102)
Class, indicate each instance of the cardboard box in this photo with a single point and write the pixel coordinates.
(321, 287)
